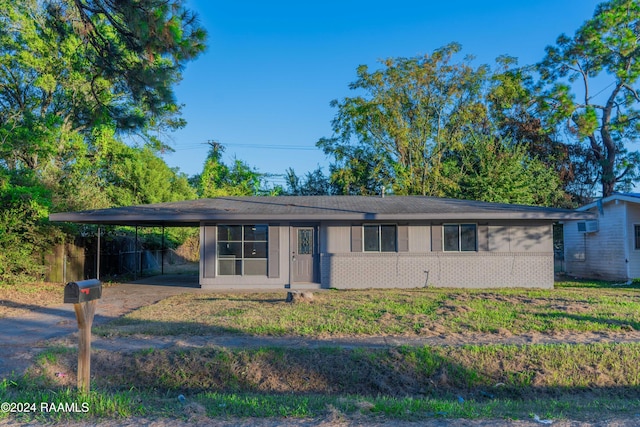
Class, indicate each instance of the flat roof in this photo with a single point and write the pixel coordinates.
(313, 208)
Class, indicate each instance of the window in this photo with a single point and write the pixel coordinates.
(460, 237)
(379, 238)
(242, 250)
(636, 233)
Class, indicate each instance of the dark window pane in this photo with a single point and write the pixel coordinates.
(388, 238)
(637, 229)
(229, 250)
(229, 232)
(451, 238)
(305, 241)
(371, 238)
(468, 237)
(229, 267)
(255, 232)
(255, 249)
(255, 267)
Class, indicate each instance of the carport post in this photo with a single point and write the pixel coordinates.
(98, 256)
(136, 257)
(162, 253)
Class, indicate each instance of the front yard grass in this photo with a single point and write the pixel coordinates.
(583, 381)
(374, 312)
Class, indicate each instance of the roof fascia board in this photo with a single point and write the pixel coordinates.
(610, 199)
(195, 219)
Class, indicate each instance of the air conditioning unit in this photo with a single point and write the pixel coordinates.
(587, 226)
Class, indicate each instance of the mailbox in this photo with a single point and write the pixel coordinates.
(82, 291)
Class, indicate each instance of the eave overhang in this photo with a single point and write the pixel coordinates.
(314, 209)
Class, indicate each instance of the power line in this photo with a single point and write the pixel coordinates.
(254, 146)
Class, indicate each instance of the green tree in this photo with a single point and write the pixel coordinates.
(67, 67)
(497, 170)
(411, 112)
(592, 89)
(315, 183)
(357, 170)
(218, 179)
(24, 232)
(511, 102)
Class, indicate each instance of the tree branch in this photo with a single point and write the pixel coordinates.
(632, 90)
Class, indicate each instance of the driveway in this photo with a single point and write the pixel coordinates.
(23, 337)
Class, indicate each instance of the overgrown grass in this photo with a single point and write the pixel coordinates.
(61, 403)
(496, 382)
(416, 312)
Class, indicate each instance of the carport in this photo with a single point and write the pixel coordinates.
(131, 217)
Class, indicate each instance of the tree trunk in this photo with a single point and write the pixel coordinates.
(608, 162)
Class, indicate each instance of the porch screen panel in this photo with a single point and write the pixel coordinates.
(242, 250)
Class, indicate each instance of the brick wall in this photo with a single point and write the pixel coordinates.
(412, 270)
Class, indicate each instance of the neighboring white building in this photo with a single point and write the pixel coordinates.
(607, 247)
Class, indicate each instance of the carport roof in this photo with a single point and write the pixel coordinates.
(313, 208)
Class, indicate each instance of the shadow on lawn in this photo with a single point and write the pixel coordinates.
(628, 325)
(259, 300)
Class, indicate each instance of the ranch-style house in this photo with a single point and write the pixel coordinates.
(349, 242)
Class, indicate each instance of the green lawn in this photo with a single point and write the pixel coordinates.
(580, 381)
(415, 312)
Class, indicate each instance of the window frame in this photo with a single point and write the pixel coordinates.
(379, 236)
(459, 226)
(243, 245)
(636, 237)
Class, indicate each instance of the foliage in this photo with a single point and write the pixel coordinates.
(430, 126)
(77, 79)
(315, 184)
(413, 110)
(218, 179)
(497, 170)
(590, 83)
(67, 67)
(510, 101)
(24, 233)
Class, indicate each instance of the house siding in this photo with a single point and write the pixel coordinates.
(514, 255)
(510, 254)
(441, 269)
(601, 254)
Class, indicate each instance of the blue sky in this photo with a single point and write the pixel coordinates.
(272, 67)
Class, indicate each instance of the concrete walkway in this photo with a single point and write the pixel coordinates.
(23, 337)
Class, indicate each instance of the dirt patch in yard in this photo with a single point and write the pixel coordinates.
(340, 364)
(20, 300)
